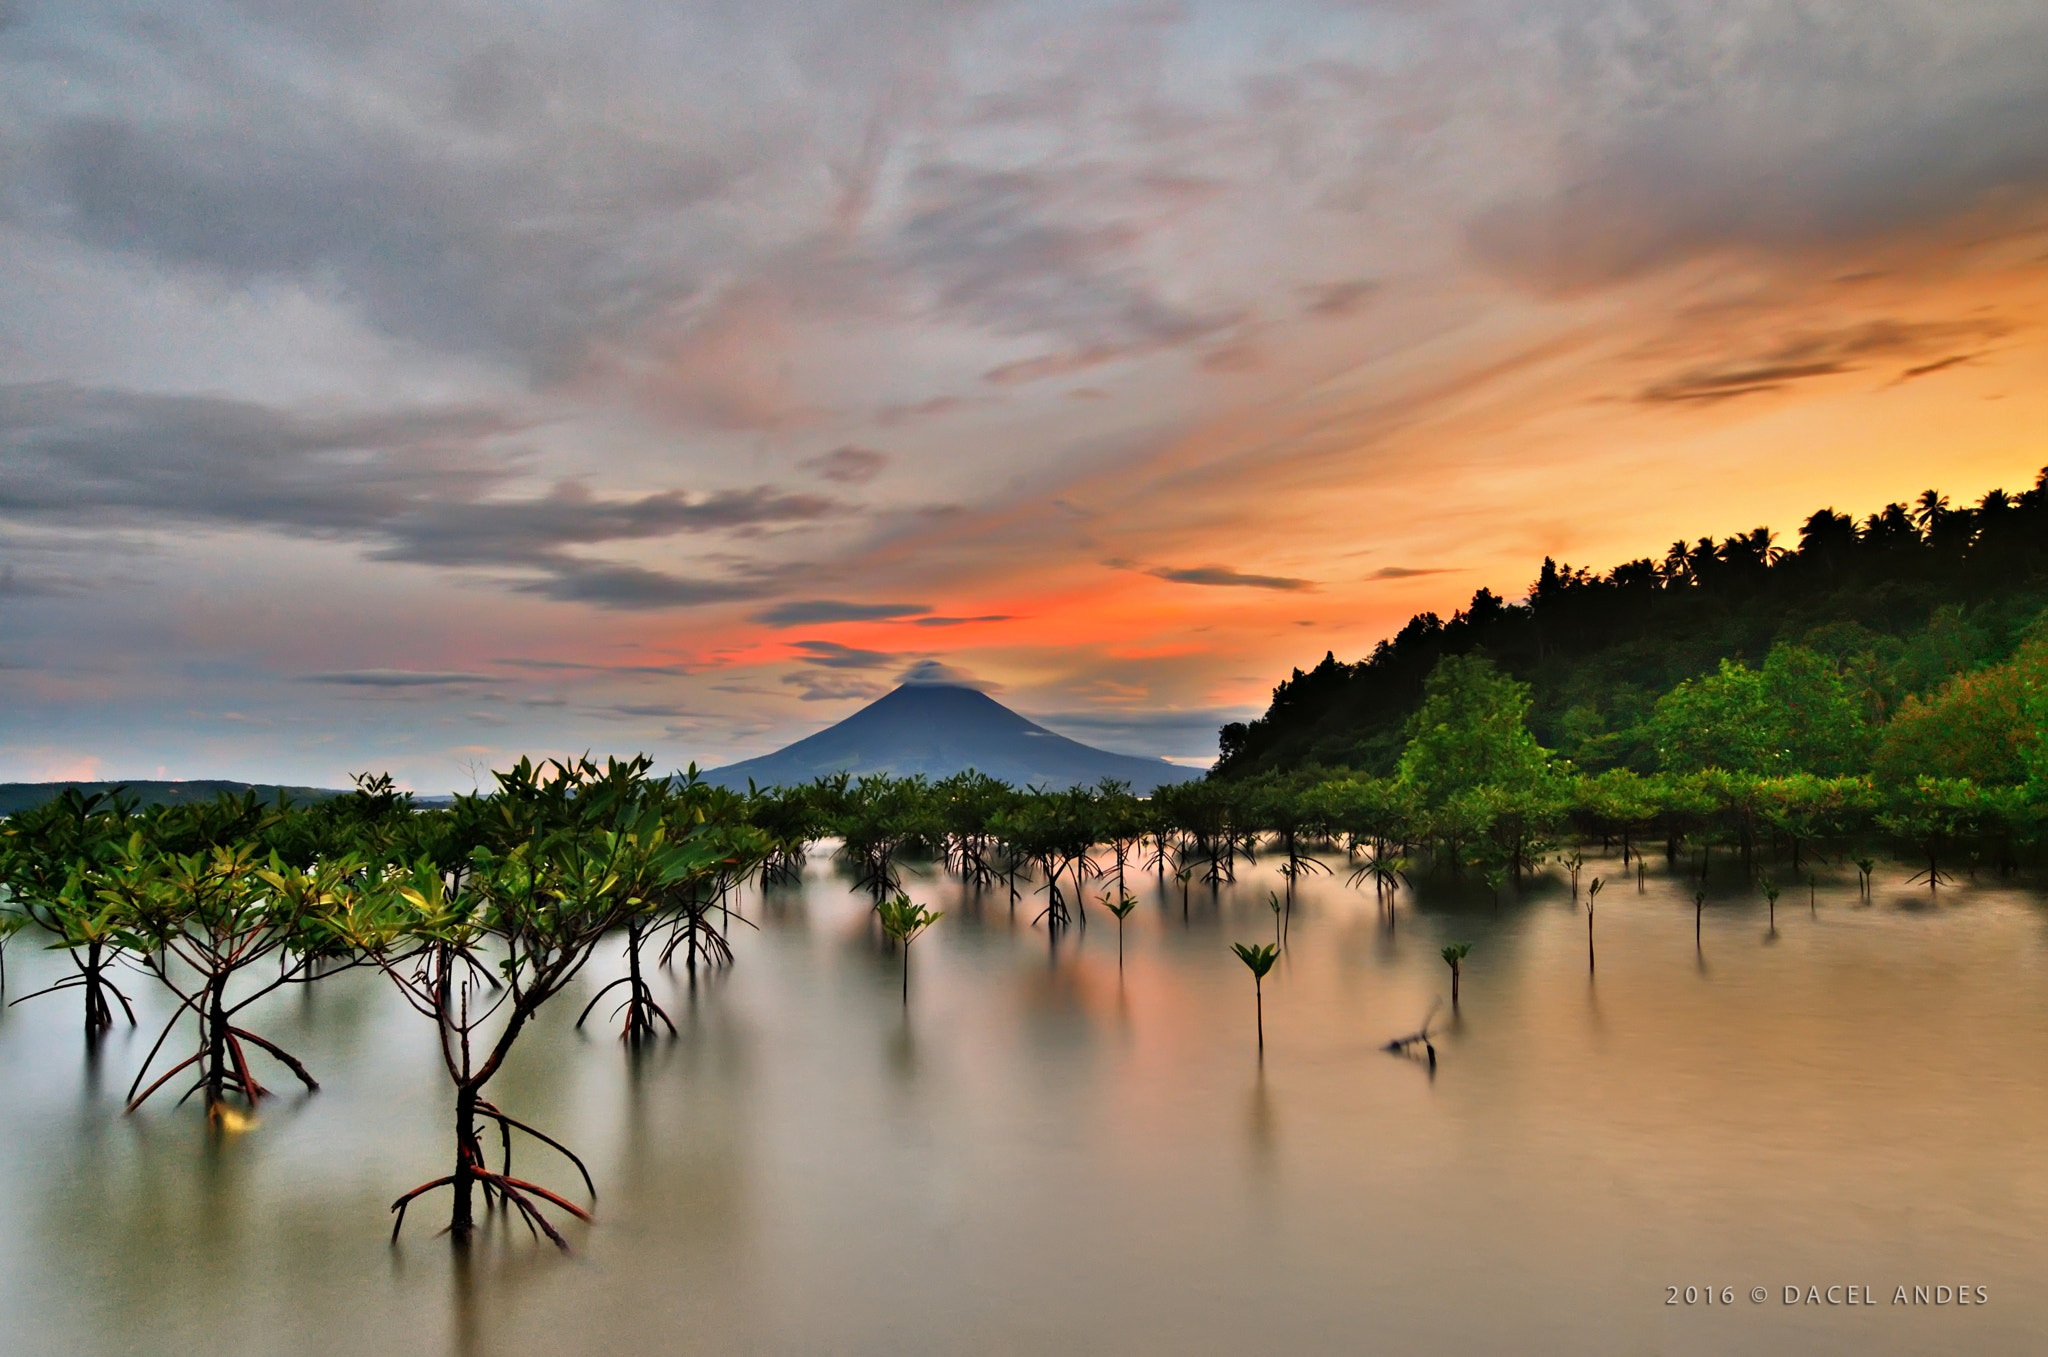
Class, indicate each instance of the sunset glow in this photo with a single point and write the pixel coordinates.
(678, 380)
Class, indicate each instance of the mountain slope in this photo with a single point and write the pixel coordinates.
(938, 730)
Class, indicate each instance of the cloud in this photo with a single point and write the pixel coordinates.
(1021, 252)
(1225, 576)
(962, 621)
(832, 687)
(1332, 301)
(832, 655)
(1402, 572)
(806, 612)
(395, 678)
(506, 243)
(1791, 140)
(937, 672)
(1818, 354)
(849, 465)
(418, 486)
(662, 670)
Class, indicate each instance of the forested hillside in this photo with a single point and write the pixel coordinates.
(1913, 623)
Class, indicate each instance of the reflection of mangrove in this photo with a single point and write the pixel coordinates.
(480, 912)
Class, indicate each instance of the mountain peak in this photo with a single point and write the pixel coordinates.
(939, 729)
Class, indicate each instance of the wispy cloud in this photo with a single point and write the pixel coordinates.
(849, 465)
(396, 678)
(1228, 577)
(1402, 572)
(806, 612)
(416, 485)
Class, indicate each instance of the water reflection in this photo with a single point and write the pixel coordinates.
(1855, 1091)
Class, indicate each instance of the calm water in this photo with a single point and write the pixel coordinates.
(1047, 1157)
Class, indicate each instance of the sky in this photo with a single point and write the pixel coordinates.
(410, 386)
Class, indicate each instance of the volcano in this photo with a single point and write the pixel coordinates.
(940, 729)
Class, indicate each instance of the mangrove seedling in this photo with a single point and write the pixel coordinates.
(1864, 867)
(1574, 864)
(903, 921)
(1454, 955)
(1771, 895)
(1122, 909)
(1592, 894)
(1258, 960)
(1699, 905)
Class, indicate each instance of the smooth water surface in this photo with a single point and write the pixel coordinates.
(1046, 1155)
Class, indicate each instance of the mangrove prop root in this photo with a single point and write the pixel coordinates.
(282, 1056)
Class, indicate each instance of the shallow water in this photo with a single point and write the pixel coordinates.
(1045, 1155)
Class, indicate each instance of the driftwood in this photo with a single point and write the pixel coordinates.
(1406, 1045)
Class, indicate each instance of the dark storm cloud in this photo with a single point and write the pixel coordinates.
(1223, 575)
(807, 612)
(413, 486)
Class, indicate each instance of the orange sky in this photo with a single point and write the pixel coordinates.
(416, 394)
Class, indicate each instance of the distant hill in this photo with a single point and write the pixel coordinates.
(16, 796)
(1898, 603)
(941, 729)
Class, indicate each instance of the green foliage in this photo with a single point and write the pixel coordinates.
(1258, 959)
(1894, 606)
(1470, 732)
(1796, 714)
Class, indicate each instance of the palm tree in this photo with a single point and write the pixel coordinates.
(903, 921)
(1259, 960)
(1454, 955)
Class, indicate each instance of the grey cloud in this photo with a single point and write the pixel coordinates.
(832, 655)
(1332, 300)
(1225, 576)
(1402, 572)
(963, 621)
(631, 587)
(1821, 354)
(411, 485)
(507, 244)
(572, 666)
(832, 687)
(1778, 133)
(1015, 252)
(938, 672)
(395, 678)
(810, 611)
(849, 465)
